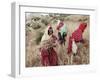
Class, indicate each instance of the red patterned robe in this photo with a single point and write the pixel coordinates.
(77, 35)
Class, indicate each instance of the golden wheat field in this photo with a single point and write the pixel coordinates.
(36, 24)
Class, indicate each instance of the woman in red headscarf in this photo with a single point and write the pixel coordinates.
(77, 35)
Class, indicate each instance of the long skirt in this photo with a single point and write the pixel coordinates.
(49, 57)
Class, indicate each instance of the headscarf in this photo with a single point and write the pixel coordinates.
(63, 29)
(77, 34)
(60, 24)
(82, 26)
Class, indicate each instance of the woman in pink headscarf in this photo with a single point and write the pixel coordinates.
(62, 31)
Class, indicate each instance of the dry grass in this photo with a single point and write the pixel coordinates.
(35, 27)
